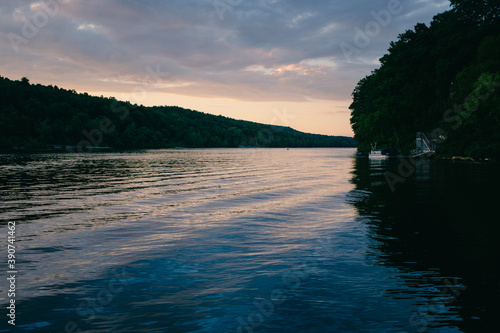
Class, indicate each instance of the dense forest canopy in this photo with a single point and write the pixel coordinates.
(38, 117)
(443, 80)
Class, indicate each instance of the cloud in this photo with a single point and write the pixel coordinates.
(262, 50)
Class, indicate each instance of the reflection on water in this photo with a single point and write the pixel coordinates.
(249, 240)
(440, 221)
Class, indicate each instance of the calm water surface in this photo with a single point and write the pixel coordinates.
(250, 240)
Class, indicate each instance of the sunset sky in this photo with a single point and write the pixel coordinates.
(282, 62)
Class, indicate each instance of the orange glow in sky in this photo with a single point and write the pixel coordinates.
(283, 62)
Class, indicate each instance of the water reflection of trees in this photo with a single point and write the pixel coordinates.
(441, 219)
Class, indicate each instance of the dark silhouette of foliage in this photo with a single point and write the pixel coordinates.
(39, 117)
(428, 78)
(477, 11)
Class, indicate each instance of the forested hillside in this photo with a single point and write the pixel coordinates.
(37, 117)
(442, 79)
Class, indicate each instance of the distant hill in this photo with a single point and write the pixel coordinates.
(39, 117)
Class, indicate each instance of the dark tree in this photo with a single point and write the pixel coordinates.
(428, 76)
(36, 116)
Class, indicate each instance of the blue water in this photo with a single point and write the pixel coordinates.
(247, 240)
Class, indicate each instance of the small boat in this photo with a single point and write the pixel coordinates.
(378, 153)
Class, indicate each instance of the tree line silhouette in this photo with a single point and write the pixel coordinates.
(36, 116)
(442, 79)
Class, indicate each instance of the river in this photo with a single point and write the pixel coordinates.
(249, 240)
